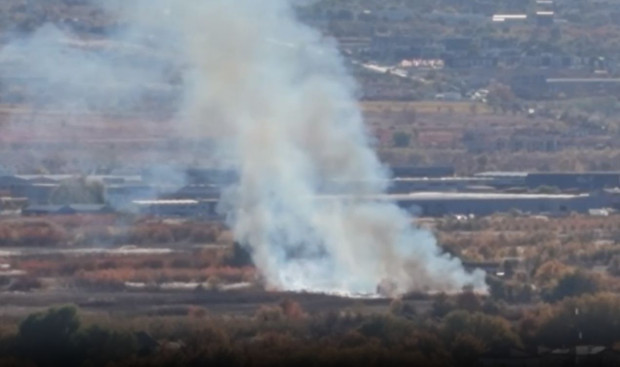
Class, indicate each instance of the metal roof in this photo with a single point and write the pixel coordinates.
(583, 80)
(455, 196)
(502, 174)
(64, 177)
(165, 202)
(441, 179)
(489, 196)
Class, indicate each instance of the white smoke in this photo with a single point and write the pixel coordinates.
(278, 93)
(281, 92)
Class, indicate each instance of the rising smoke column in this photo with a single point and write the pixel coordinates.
(280, 93)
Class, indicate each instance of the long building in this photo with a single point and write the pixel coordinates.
(584, 181)
(429, 196)
(441, 203)
(434, 204)
(578, 181)
(421, 171)
(431, 204)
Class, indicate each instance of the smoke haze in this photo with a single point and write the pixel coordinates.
(278, 94)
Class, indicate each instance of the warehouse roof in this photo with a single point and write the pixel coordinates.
(459, 196)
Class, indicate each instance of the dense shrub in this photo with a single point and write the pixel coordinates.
(56, 338)
(574, 284)
(495, 332)
(51, 335)
(277, 335)
(588, 320)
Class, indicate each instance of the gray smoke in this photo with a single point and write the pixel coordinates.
(76, 98)
(281, 92)
(278, 93)
(65, 73)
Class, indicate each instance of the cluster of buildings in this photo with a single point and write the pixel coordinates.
(530, 74)
(423, 191)
(533, 69)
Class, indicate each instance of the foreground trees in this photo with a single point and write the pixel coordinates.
(56, 338)
(574, 284)
(588, 320)
(284, 334)
(490, 331)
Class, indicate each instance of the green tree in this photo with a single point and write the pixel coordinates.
(466, 349)
(98, 346)
(493, 331)
(442, 305)
(78, 191)
(468, 301)
(49, 337)
(239, 256)
(590, 319)
(401, 139)
(390, 330)
(574, 284)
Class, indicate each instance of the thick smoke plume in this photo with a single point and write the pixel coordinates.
(281, 92)
(278, 93)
